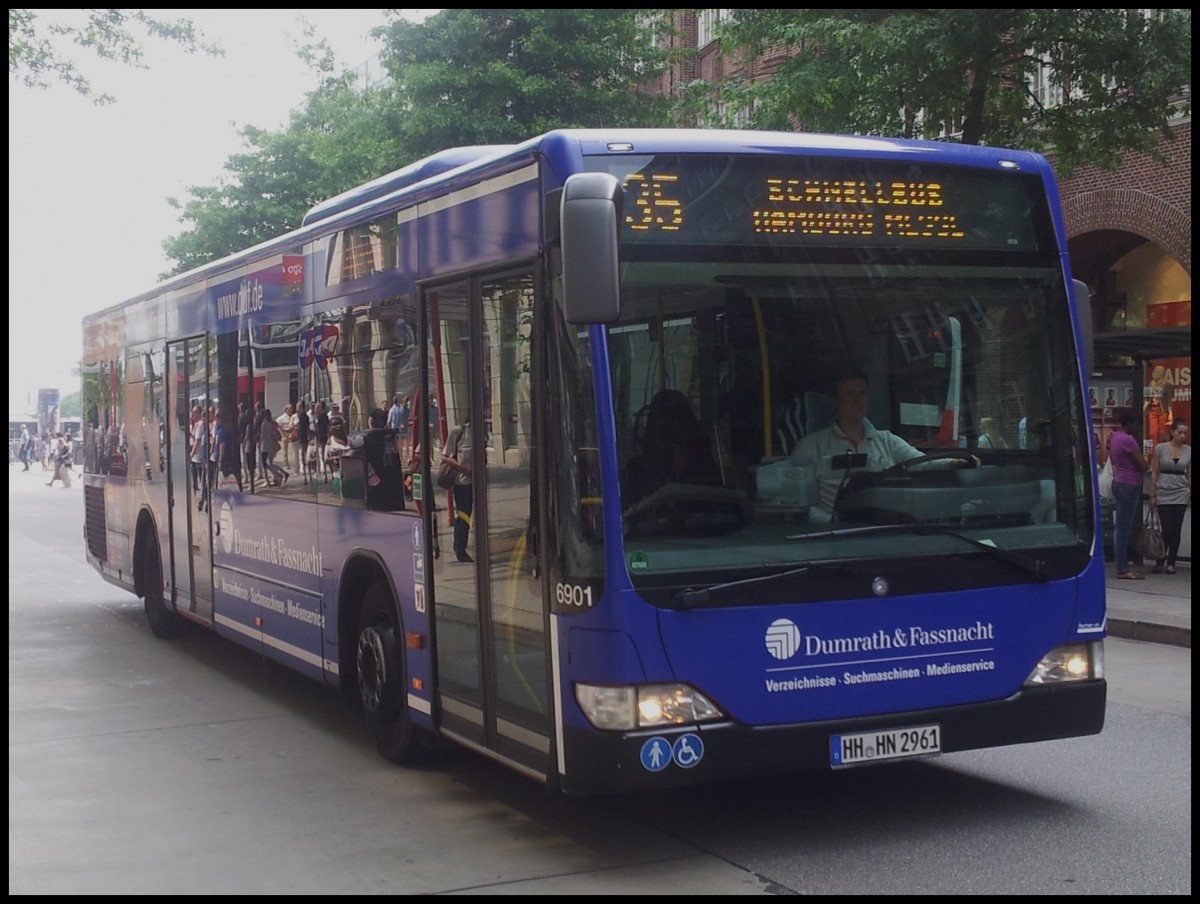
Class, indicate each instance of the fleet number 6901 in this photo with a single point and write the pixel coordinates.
(574, 595)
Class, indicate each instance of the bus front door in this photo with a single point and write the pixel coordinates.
(488, 595)
(191, 525)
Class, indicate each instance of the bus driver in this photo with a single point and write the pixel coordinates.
(853, 443)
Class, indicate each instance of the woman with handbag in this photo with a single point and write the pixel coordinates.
(1124, 451)
(1171, 490)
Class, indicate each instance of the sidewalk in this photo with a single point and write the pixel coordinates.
(1157, 609)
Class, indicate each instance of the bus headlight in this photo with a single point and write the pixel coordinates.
(1073, 662)
(645, 706)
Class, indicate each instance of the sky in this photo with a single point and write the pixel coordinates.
(88, 185)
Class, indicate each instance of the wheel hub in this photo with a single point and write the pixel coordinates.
(372, 669)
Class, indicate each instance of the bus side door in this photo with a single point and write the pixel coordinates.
(489, 604)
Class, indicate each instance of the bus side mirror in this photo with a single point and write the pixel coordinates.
(590, 212)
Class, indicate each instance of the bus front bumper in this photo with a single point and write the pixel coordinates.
(615, 762)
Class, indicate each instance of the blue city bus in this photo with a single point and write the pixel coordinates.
(634, 576)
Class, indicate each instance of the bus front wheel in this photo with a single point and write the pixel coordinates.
(379, 666)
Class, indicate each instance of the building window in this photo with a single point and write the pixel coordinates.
(706, 25)
(1048, 95)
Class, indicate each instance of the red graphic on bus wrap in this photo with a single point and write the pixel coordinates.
(289, 272)
(318, 345)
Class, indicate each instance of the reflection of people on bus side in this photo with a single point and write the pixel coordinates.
(337, 423)
(286, 421)
(458, 448)
(379, 415)
(397, 419)
(199, 433)
(245, 427)
(209, 482)
(269, 442)
(339, 441)
(321, 433)
(305, 427)
(225, 452)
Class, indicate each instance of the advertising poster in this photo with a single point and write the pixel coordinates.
(1167, 396)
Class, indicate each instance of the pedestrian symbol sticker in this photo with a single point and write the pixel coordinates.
(656, 753)
(687, 750)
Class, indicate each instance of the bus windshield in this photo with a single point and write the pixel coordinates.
(725, 365)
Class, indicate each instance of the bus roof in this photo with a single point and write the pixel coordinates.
(434, 165)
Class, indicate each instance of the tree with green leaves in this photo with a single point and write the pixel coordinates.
(495, 76)
(1085, 85)
(38, 40)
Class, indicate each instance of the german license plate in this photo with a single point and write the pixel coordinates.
(883, 745)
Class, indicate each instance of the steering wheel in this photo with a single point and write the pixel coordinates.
(968, 458)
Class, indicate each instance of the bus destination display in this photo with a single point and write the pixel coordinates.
(743, 201)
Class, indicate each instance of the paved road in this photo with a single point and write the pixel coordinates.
(139, 766)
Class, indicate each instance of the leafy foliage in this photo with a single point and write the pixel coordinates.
(1121, 75)
(495, 76)
(38, 59)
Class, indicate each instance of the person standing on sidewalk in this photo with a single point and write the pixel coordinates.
(1125, 453)
(1171, 489)
(26, 448)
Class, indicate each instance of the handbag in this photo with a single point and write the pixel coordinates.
(1150, 544)
(294, 434)
(1106, 480)
(447, 471)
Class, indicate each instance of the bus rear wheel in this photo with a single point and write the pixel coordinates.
(163, 621)
(379, 668)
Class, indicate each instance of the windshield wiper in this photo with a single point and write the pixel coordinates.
(1028, 564)
(691, 597)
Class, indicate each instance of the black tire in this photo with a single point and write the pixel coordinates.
(163, 621)
(379, 670)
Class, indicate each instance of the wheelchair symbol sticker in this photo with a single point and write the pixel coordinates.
(687, 750)
(656, 754)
